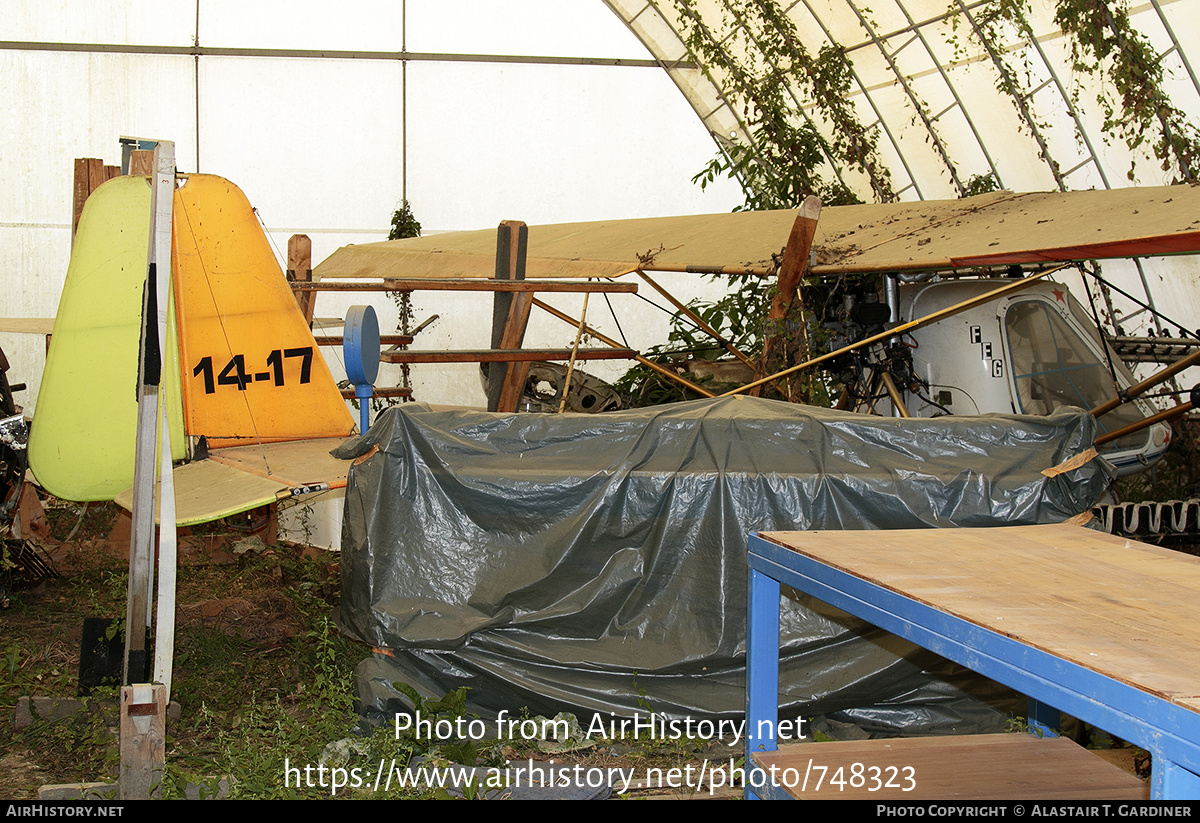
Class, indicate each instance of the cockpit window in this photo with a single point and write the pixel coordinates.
(1052, 366)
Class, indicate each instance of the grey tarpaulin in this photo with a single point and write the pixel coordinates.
(596, 563)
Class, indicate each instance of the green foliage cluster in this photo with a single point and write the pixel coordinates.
(404, 224)
(1104, 41)
(1104, 46)
(738, 317)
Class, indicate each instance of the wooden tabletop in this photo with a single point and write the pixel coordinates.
(1125, 609)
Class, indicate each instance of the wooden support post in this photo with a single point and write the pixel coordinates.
(300, 271)
(89, 174)
(143, 730)
(791, 271)
(96, 174)
(516, 373)
(510, 313)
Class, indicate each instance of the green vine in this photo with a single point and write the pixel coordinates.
(1102, 37)
(404, 225)
(994, 26)
(778, 83)
(1105, 46)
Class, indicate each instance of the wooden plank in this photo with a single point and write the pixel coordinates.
(336, 340)
(382, 391)
(95, 174)
(503, 355)
(1114, 606)
(79, 193)
(975, 767)
(143, 727)
(141, 162)
(395, 284)
(299, 270)
(27, 325)
(514, 333)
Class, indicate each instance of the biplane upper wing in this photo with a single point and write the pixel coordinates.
(1005, 228)
(990, 229)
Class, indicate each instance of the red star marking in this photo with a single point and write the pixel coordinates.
(1059, 296)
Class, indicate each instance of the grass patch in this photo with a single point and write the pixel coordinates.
(261, 674)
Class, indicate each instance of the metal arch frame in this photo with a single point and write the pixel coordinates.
(879, 120)
(1175, 47)
(671, 68)
(1019, 99)
(965, 8)
(917, 30)
(912, 97)
(801, 108)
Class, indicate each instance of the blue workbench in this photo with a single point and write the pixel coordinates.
(1102, 628)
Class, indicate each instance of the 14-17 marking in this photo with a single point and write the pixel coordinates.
(234, 373)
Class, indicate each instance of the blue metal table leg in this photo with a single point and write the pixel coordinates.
(762, 669)
(1044, 719)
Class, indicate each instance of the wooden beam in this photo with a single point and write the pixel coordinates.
(1141, 387)
(81, 189)
(384, 339)
(299, 272)
(514, 333)
(381, 391)
(510, 314)
(95, 171)
(472, 284)
(503, 355)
